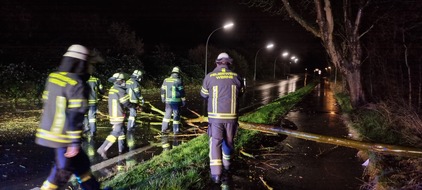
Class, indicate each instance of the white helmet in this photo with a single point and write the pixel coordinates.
(77, 51)
(137, 73)
(116, 77)
(223, 58)
(175, 70)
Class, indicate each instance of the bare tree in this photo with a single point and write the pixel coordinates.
(339, 31)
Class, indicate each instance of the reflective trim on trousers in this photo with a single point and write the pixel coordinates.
(221, 145)
(171, 109)
(131, 119)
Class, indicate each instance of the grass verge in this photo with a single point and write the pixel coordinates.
(186, 166)
(389, 123)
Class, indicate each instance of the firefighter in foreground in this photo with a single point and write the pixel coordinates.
(96, 90)
(118, 100)
(65, 103)
(221, 88)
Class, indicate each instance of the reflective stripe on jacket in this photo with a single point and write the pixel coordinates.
(222, 87)
(117, 100)
(65, 103)
(172, 90)
(134, 91)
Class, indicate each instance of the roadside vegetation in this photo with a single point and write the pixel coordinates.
(389, 123)
(186, 166)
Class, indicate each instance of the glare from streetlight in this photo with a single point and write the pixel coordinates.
(293, 57)
(269, 46)
(229, 25)
(285, 54)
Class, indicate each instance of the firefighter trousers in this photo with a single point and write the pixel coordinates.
(90, 121)
(174, 109)
(63, 169)
(221, 145)
(131, 119)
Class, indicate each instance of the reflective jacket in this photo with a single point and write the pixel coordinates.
(65, 103)
(117, 101)
(222, 88)
(134, 91)
(172, 90)
(96, 88)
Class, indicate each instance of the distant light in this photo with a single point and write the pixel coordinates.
(285, 54)
(293, 57)
(229, 25)
(270, 46)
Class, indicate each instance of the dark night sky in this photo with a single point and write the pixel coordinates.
(182, 23)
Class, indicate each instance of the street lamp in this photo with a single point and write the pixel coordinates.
(284, 54)
(229, 25)
(269, 46)
(294, 59)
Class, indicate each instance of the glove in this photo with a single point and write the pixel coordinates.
(71, 151)
(183, 103)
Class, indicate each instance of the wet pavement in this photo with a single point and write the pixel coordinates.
(298, 164)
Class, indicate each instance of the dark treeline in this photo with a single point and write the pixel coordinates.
(392, 63)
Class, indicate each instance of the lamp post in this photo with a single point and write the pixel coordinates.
(284, 54)
(292, 58)
(229, 25)
(275, 60)
(268, 47)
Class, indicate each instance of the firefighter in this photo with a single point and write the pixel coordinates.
(221, 88)
(96, 90)
(118, 100)
(135, 97)
(173, 95)
(65, 103)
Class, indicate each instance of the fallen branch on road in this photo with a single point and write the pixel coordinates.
(374, 147)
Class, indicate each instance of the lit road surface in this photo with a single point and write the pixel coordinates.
(264, 92)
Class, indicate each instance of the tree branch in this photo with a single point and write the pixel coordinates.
(363, 33)
(300, 20)
(329, 18)
(359, 18)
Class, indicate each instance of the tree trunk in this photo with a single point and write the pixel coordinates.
(354, 83)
